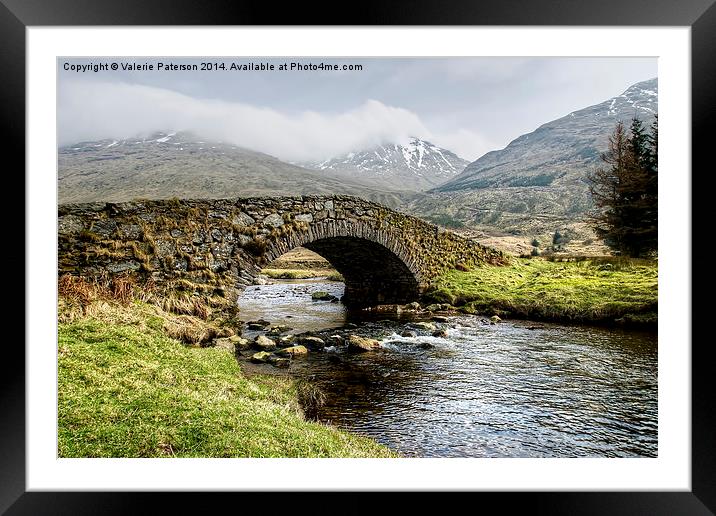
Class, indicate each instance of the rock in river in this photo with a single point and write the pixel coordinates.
(279, 362)
(278, 330)
(232, 343)
(313, 343)
(292, 351)
(427, 326)
(323, 296)
(285, 341)
(356, 343)
(257, 325)
(263, 342)
(261, 357)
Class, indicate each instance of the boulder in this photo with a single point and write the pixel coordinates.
(225, 343)
(313, 343)
(292, 351)
(285, 341)
(336, 340)
(408, 333)
(434, 307)
(442, 333)
(279, 362)
(356, 343)
(426, 326)
(412, 306)
(240, 342)
(323, 296)
(440, 318)
(278, 330)
(258, 325)
(263, 342)
(495, 318)
(261, 357)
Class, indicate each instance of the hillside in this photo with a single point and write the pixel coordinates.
(537, 183)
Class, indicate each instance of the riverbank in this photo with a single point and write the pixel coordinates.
(277, 273)
(600, 291)
(129, 385)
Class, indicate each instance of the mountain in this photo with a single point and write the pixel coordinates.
(166, 165)
(416, 166)
(538, 180)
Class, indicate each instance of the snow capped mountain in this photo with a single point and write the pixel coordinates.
(170, 140)
(418, 165)
(559, 151)
(539, 175)
(181, 164)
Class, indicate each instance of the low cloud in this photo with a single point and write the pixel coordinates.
(465, 143)
(89, 110)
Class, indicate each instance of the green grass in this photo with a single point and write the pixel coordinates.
(127, 390)
(582, 291)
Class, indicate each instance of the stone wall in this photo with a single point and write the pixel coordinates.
(219, 246)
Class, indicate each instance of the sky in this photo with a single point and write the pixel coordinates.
(467, 105)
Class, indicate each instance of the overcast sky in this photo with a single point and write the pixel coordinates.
(467, 105)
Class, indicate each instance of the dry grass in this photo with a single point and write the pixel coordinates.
(191, 330)
(185, 317)
(80, 291)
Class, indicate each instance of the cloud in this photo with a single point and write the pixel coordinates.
(89, 110)
(465, 143)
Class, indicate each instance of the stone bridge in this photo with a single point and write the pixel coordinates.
(220, 246)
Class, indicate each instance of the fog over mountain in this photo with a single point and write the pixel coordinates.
(468, 105)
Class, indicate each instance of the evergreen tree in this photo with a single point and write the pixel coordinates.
(625, 191)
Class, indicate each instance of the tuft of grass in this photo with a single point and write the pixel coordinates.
(190, 330)
(310, 398)
(329, 274)
(335, 276)
(127, 389)
(597, 291)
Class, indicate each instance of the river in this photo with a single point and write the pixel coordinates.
(511, 389)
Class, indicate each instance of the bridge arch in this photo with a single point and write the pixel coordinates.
(376, 265)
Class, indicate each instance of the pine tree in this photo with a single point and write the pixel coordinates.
(625, 191)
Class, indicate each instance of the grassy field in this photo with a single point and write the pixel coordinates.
(127, 389)
(600, 290)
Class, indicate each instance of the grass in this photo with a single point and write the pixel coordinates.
(127, 389)
(596, 290)
(329, 274)
(141, 379)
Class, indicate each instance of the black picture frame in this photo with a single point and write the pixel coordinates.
(700, 15)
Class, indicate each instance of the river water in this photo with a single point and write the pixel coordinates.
(512, 389)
